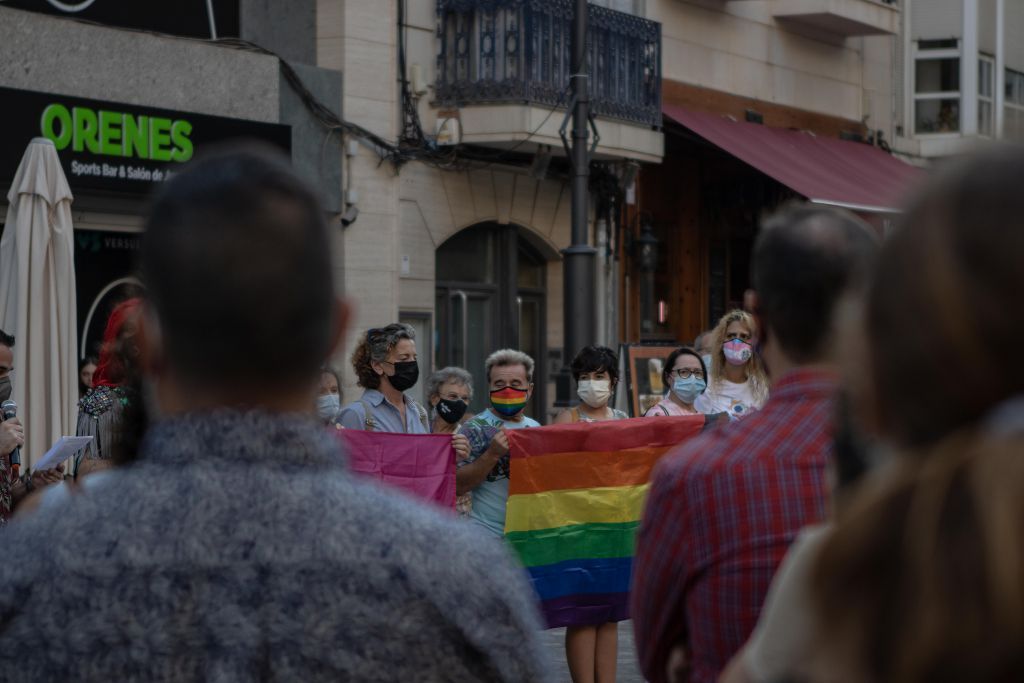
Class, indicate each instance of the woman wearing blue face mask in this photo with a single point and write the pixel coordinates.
(686, 377)
(328, 402)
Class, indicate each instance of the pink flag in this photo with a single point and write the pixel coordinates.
(420, 464)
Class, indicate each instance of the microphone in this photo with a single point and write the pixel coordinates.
(10, 410)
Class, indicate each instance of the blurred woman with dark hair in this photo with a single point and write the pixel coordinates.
(920, 578)
(112, 412)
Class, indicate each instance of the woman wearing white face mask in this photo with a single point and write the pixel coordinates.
(685, 375)
(596, 372)
(592, 650)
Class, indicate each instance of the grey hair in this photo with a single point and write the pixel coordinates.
(439, 378)
(383, 339)
(503, 357)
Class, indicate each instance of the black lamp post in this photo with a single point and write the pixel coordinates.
(645, 253)
(579, 258)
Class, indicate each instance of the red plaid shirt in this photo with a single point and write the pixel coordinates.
(721, 513)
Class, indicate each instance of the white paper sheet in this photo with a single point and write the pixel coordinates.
(65, 447)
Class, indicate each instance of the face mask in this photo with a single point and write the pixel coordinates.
(407, 373)
(508, 401)
(737, 352)
(687, 390)
(451, 411)
(5, 389)
(327, 406)
(595, 393)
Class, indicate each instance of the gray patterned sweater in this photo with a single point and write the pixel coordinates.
(238, 548)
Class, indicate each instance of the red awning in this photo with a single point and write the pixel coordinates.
(824, 170)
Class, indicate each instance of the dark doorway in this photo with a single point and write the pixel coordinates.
(491, 295)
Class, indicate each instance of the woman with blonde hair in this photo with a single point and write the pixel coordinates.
(739, 384)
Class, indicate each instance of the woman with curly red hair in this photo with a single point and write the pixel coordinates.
(114, 396)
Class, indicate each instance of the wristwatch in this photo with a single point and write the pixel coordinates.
(26, 480)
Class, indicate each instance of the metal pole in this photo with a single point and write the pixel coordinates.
(579, 304)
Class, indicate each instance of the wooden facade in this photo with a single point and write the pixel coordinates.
(704, 206)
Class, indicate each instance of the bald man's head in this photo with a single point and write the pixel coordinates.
(805, 260)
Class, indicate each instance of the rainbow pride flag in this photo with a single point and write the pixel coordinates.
(576, 494)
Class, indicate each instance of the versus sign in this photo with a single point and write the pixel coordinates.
(108, 146)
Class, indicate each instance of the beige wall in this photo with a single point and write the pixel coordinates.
(737, 47)
(936, 19)
(410, 214)
(358, 38)
(1014, 37)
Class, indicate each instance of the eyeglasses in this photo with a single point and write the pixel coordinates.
(686, 373)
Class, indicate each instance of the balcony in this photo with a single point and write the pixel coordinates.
(843, 17)
(504, 64)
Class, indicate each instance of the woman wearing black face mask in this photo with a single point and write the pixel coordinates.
(449, 391)
(385, 363)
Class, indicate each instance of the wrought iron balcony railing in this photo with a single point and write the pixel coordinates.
(519, 51)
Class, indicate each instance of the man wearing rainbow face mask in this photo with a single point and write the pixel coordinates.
(485, 472)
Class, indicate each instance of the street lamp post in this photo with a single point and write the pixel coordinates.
(579, 258)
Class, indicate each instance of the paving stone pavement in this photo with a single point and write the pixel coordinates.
(629, 670)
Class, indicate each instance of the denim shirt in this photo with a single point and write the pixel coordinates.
(385, 416)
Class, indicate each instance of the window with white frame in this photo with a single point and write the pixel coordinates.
(937, 87)
(986, 95)
(1013, 106)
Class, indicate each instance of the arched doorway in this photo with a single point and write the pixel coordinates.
(491, 287)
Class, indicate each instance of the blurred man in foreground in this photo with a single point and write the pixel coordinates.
(237, 547)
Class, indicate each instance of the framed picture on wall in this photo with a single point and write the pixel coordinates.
(644, 364)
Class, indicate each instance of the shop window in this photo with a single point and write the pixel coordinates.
(937, 89)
